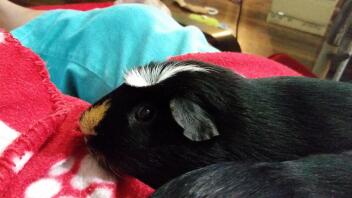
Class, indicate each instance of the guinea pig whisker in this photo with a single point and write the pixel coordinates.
(101, 159)
(115, 172)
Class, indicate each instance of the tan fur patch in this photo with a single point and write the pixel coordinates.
(91, 117)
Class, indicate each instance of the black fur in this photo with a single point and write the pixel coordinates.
(320, 176)
(272, 119)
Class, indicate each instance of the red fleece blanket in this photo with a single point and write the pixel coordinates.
(41, 149)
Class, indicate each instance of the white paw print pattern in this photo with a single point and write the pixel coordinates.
(19, 162)
(74, 177)
(7, 134)
(2, 37)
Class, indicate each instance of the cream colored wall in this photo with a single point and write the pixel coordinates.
(311, 16)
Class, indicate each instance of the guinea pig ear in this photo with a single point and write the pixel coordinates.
(193, 119)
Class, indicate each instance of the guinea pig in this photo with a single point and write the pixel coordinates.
(322, 176)
(173, 117)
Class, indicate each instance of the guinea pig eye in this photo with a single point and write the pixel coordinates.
(144, 113)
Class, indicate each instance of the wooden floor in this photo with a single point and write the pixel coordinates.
(256, 36)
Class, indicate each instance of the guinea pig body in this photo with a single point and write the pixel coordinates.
(320, 176)
(174, 117)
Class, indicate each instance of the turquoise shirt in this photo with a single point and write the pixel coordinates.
(87, 53)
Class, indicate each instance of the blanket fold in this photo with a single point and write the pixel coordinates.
(41, 149)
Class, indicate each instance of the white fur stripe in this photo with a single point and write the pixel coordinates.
(2, 37)
(7, 136)
(147, 76)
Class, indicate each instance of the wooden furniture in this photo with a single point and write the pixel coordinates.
(221, 37)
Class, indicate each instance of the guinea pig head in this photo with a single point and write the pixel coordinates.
(158, 124)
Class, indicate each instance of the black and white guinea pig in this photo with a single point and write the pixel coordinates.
(173, 117)
(319, 176)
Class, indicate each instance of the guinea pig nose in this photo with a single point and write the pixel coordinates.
(87, 131)
(85, 139)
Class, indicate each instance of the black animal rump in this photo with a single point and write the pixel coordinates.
(320, 176)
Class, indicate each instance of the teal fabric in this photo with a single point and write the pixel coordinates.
(87, 53)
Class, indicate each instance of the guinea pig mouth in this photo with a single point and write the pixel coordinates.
(103, 161)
